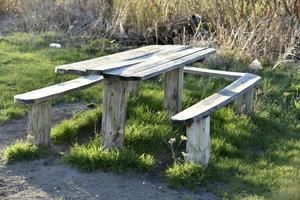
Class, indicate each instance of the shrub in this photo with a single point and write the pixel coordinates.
(91, 157)
(22, 150)
(184, 175)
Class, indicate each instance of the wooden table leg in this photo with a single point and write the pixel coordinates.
(173, 91)
(133, 88)
(114, 114)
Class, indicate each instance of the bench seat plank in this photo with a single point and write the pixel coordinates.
(53, 91)
(212, 72)
(207, 106)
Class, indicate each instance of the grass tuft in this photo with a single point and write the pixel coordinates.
(68, 130)
(91, 157)
(187, 175)
(22, 150)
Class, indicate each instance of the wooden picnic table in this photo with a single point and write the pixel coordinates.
(122, 72)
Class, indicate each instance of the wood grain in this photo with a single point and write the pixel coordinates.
(211, 72)
(114, 114)
(48, 93)
(198, 143)
(39, 123)
(223, 97)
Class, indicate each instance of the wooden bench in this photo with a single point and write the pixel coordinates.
(197, 117)
(39, 122)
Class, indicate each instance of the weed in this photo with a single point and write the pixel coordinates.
(92, 157)
(185, 175)
(22, 150)
(68, 130)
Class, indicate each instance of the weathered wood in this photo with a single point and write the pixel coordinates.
(178, 63)
(211, 72)
(114, 114)
(39, 123)
(173, 91)
(217, 100)
(244, 103)
(198, 143)
(159, 65)
(117, 60)
(133, 88)
(248, 99)
(48, 93)
(240, 105)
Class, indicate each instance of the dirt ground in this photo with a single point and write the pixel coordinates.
(50, 179)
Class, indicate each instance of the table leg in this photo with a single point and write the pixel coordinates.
(133, 88)
(173, 91)
(114, 114)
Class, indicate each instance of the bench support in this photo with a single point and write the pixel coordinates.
(133, 88)
(39, 123)
(173, 91)
(114, 113)
(198, 143)
(244, 103)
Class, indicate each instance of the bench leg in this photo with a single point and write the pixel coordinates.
(133, 88)
(173, 91)
(198, 143)
(39, 123)
(244, 103)
(114, 114)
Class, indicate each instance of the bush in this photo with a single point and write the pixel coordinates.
(184, 175)
(22, 151)
(92, 157)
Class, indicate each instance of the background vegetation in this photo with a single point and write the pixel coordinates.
(268, 29)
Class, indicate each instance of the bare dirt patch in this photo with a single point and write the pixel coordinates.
(50, 179)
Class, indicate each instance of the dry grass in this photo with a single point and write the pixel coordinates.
(254, 28)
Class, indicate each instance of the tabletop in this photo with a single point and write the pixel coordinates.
(138, 64)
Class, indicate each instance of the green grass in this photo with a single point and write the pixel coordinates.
(92, 157)
(68, 130)
(21, 150)
(27, 63)
(185, 175)
(252, 157)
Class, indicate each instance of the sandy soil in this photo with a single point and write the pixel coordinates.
(50, 179)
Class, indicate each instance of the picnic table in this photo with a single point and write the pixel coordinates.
(123, 71)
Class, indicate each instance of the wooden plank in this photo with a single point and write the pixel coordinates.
(133, 88)
(140, 54)
(114, 114)
(39, 123)
(198, 143)
(134, 53)
(215, 101)
(211, 72)
(173, 91)
(151, 72)
(153, 62)
(47, 93)
(99, 68)
(248, 99)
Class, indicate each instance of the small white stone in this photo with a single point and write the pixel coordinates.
(159, 187)
(55, 45)
(97, 195)
(144, 182)
(256, 65)
(54, 188)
